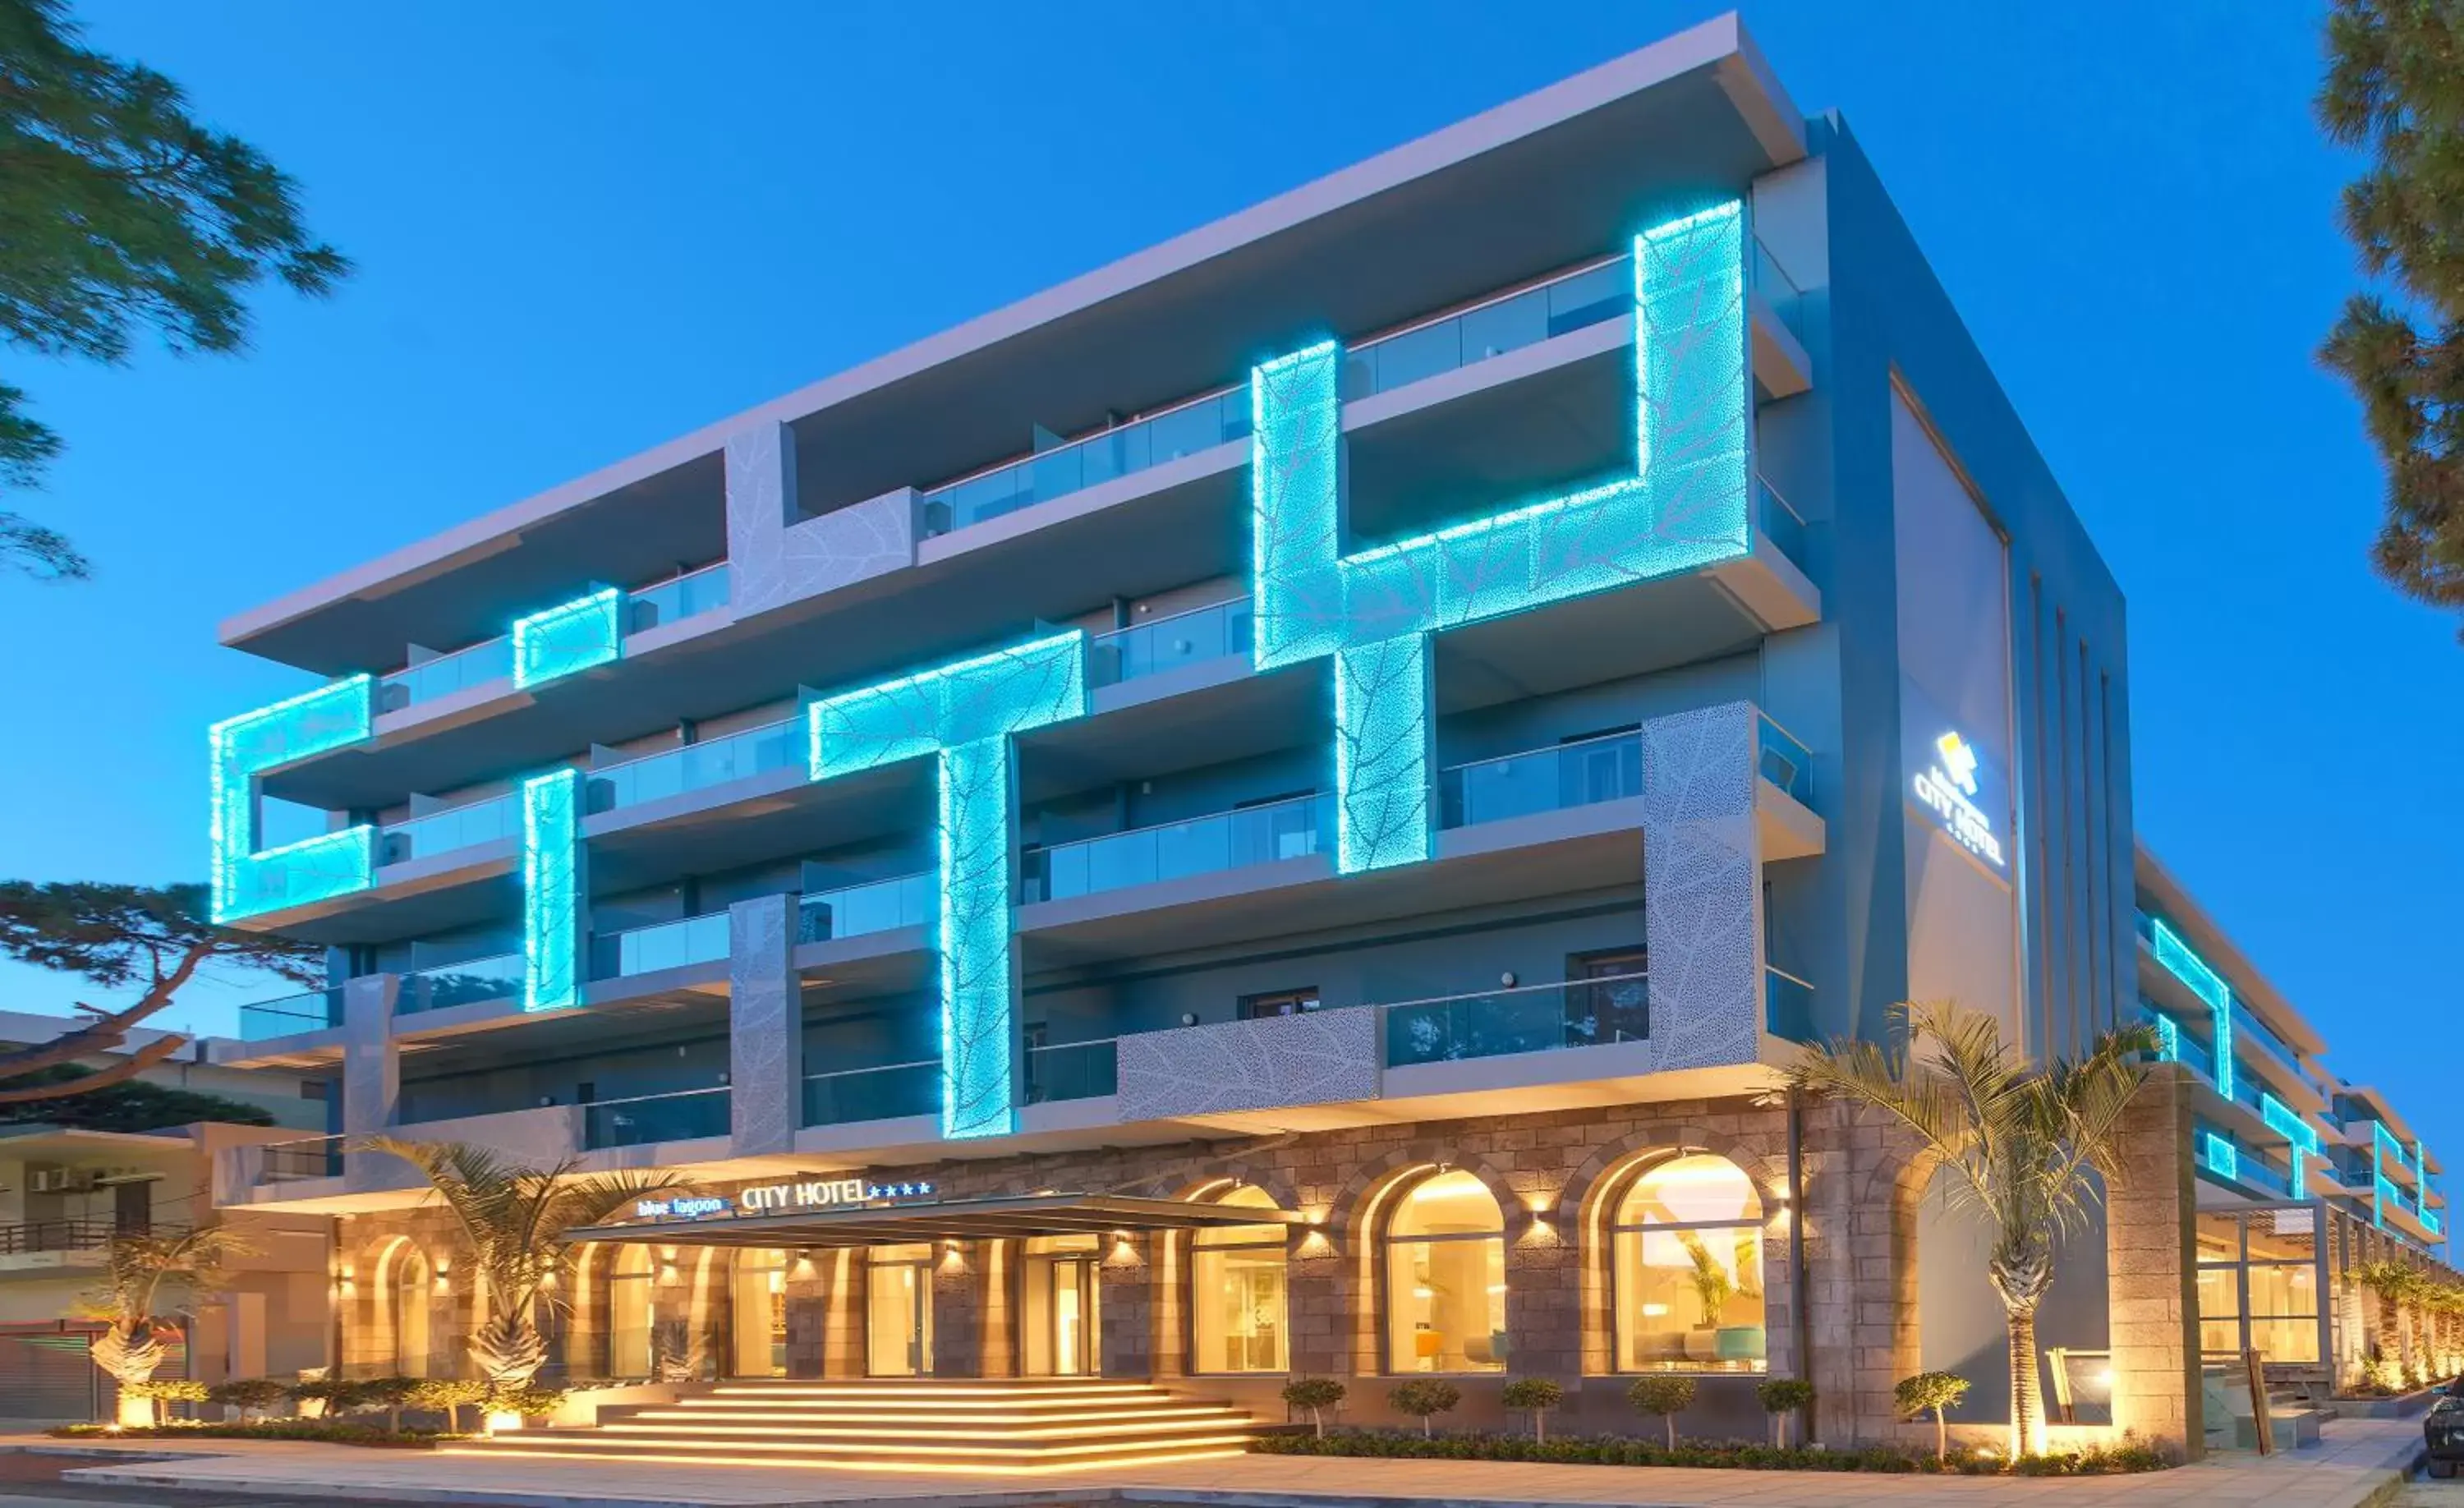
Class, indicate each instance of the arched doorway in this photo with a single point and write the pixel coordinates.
(1685, 1268)
(407, 1290)
(1058, 1323)
(1239, 1304)
(1444, 1274)
(899, 1310)
(632, 1312)
(758, 1293)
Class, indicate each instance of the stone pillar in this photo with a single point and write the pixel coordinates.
(371, 1065)
(808, 1315)
(1544, 1300)
(972, 1327)
(842, 1332)
(765, 1028)
(1168, 1293)
(2150, 1219)
(1124, 1306)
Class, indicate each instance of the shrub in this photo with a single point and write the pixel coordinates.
(325, 1396)
(161, 1391)
(449, 1396)
(530, 1400)
(2130, 1455)
(330, 1432)
(1931, 1392)
(388, 1394)
(1316, 1394)
(1424, 1398)
(1667, 1394)
(1538, 1395)
(1780, 1397)
(249, 1395)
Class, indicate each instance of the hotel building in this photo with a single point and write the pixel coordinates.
(1279, 807)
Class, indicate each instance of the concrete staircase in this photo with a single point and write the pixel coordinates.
(987, 1427)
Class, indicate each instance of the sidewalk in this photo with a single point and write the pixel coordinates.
(2361, 1465)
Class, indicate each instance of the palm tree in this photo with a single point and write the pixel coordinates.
(136, 1265)
(516, 1219)
(2019, 1140)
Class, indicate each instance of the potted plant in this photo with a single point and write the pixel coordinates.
(1536, 1395)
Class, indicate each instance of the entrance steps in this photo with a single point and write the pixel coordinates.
(974, 1427)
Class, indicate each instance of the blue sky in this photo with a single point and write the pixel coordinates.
(585, 227)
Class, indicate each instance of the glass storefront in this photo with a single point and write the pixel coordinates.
(630, 1313)
(1686, 1269)
(1238, 1304)
(1446, 1279)
(759, 1302)
(1057, 1312)
(899, 1310)
(2259, 1282)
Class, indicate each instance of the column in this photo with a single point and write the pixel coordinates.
(843, 1297)
(2150, 1217)
(1124, 1306)
(1702, 892)
(971, 1328)
(774, 557)
(1543, 1298)
(371, 1062)
(765, 1027)
(808, 1317)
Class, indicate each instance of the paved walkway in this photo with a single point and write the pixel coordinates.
(2359, 1466)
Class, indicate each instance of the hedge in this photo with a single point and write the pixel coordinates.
(1614, 1450)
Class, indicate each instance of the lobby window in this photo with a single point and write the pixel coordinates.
(1446, 1278)
(1238, 1308)
(1686, 1269)
(899, 1310)
(1278, 1002)
(2259, 1283)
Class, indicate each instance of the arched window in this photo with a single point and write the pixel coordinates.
(630, 1313)
(758, 1302)
(411, 1280)
(1446, 1278)
(1686, 1269)
(1238, 1305)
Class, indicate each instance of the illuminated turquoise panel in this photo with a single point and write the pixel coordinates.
(963, 714)
(1686, 506)
(2304, 1137)
(552, 891)
(2185, 964)
(246, 881)
(584, 632)
(2168, 1038)
(2223, 1156)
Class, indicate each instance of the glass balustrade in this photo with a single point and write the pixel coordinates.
(312, 1010)
(857, 910)
(1787, 1005)
(456, 827)
(1072, 1071)
(1779, 521)
(1167, 643)
(685, 1116)
(291, 1162)
(677, 599)
(882, 1093)
(662, 945)
(1592, 295)
(1528, 1018)
(1783, 761)
(1201, 424)
(1778, 290)
(446, 674)
(1578, 774)
(697, 766)
(1254, 835)
(495, 978)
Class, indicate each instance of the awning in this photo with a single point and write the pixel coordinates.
(942, 1220)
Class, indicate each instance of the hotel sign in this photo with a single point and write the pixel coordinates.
(1955, 780)
(809, 1193)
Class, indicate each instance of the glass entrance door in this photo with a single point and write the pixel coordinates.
(1058, 1317)
(898, 1311)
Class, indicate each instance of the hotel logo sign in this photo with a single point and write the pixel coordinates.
(808, 1193)
(1951, 785)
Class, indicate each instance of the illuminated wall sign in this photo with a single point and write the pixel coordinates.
(808, 1193)
(1948, 782)
(680, 1209)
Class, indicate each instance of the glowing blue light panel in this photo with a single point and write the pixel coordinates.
(2223, 1156)
(2185, 964)
(2282, 1120)
(963, 716)
(2168, 1038)
(1687, 505)
(248, 880)
(552, 891)
(584, 632)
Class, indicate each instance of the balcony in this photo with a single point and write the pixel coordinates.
(696, 767)
(1528, 1019)
(297, 1162)
(434, 833)
(1788, 1006)
(1167, 643)
(668, 601)
(1059, 1071)
(857, 910)
(497, 976)
(1583, 772)
(889, 1092)
(663, 945)
(685, 1116)
(1253, 835)
(288, 1016)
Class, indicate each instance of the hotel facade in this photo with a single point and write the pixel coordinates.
(1280, 808)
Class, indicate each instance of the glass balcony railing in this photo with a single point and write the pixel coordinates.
(495, 978)
(1579, 773)
(1787, 1005)
(312, 1010)
(456, 827)
(881, 1093)
(1778, 290)
(662, 945)
(1199, 425)
(1528, 1019)
(2249, 1028)
(857, 910)
(685, 1116)
(446, 674)
(1253, 835)
(677, 599)
(291, 1162)
(1783, 761)
(1167, 643)
(1779, 521)
(695, 767)
(1072, 1071)
(1589, 295)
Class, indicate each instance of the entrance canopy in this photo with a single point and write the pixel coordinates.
(945, 1221)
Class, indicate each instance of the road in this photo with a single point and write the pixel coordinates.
(33, 1481)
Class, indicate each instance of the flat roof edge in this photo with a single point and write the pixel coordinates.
(1721, 44)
